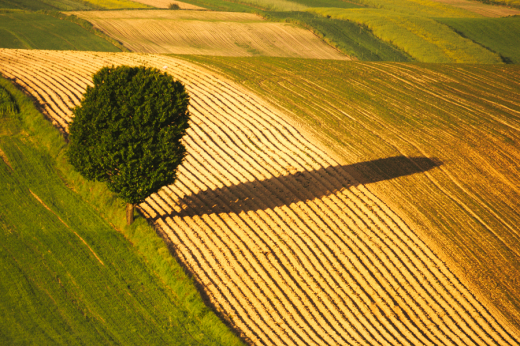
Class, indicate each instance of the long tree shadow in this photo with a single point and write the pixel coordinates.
(300, 186)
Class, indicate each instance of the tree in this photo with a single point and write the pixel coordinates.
(127, 131)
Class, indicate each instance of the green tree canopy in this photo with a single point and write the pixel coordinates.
(127, 131)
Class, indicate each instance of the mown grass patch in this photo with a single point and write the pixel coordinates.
(29, 30)
(500, 35)
(68, 276)
(351, 38)
(424, 39)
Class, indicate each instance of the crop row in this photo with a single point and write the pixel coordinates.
(288, 246)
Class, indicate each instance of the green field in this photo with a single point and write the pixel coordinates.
(424, 39)
(350, 38)
(29, 30)
(423, 8)
(466, 116)
(67, 276)
(500, 35)
(68, 5)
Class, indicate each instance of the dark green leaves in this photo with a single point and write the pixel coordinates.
(127, 130)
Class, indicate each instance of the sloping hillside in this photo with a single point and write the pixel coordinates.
(209, 33)
(289, 246)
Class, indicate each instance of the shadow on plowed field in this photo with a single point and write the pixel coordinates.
(300, 186)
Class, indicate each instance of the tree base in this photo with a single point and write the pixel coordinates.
(129, 214)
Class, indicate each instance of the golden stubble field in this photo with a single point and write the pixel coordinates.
(209, 33)
(288, 246)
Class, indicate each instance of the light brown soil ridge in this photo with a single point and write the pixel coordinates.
(486, 10)
(167, 3)
(288, 246)
(209, 33)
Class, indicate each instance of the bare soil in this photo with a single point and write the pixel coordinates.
(287, 244)
(209, 33)
(483, 9)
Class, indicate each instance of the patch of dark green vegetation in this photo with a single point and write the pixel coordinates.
(52, 5)
(348, 37)
(30, 30)
(500, 35)
(67, 276)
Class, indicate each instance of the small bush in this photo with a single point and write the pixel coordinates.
(173, 6)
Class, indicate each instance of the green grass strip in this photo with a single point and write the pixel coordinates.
(424, 39)
(87, 26)
(348, 37)
(500, 35)
(30, 30)
(423, 8)
(71, 272)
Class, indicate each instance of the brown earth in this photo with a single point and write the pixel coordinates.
(166, 4)
(290, 248)
(485, 10)
(209, 33)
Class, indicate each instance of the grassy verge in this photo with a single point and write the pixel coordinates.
(500, 35)
(30, 30)
(464, 115)
(350, 38)
(72, 273)
(424, 39)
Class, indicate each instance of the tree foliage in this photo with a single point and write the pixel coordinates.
(127, 131)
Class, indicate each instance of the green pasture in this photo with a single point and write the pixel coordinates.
(349, 37)
(424, 8)
(71, 272)
(464, 115)
(29, 30)
(69, 5)
(327, 3)
(500, 35)
(424, 39)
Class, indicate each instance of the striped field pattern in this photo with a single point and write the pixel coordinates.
(287, 245)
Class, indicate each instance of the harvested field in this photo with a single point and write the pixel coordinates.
(166, 3)
(287, 245)
(208, 33)
(483, 9)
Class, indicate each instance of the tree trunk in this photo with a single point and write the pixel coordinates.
(129, 214)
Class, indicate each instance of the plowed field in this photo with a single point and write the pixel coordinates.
(166, 3)
(487, 10)
(208, 33)
(287, 245)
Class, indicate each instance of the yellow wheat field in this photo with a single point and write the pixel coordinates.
(287, 245)
(209, 33)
